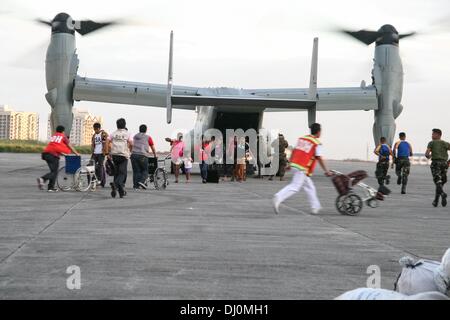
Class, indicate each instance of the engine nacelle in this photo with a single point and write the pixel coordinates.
(397, 109)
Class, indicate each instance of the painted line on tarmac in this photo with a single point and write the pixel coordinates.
(24, 243)
(344, 228)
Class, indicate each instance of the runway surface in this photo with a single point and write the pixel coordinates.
(213, 241)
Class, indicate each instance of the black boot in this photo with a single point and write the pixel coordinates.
(113, 190)
(436, 200)
(444, 199)
(403, 188)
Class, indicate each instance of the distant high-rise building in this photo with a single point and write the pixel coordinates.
(17, 125)
(82, 124)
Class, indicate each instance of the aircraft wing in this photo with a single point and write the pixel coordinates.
(291, 104)
(184, 97)
(170, 96)
(328, 99)
(127, 92)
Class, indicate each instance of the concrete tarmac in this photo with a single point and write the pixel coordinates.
(213, 241)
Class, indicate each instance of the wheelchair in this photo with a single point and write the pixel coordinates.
(350, 203)
(77, 175)
(157, 174)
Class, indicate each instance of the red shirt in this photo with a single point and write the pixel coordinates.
(58, 144)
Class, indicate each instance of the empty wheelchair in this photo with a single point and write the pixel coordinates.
(350, 203)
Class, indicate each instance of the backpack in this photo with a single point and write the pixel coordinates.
(110, 168)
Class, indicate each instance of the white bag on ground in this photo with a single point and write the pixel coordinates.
(424, 275)
(416, 276)
(383, 294)
(442, 274)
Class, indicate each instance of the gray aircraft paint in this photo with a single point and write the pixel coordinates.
(388, 78)
(61, 67)
(64, 86)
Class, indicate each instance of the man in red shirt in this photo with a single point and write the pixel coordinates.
(58, 145)
(303, 161)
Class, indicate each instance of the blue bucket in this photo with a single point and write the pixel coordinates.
(73, 163)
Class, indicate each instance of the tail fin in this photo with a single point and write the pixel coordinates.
(169, 82)
(313, 81)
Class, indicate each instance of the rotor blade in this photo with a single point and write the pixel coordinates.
(33, 59)
(366, 37)
(49, 23)
(89, 26)
(405, 35)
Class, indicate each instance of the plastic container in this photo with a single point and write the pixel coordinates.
(73, 163)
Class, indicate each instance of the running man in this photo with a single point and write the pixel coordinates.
(437, 150)
(384, 152)
(59, 145)
(303, 161)
(401, 152)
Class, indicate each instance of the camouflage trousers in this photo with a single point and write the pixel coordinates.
(282, 162)
(381, 171)
(402, 168)
(439, 172)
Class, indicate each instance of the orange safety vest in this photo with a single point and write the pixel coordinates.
(303, 157)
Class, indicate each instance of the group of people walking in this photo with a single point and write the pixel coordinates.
(119, 147)
(437, 151)
(116, 148)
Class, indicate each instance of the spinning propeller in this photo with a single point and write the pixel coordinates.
(63, 23)
(387, 34)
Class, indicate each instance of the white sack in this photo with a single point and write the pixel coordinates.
(383, 294)
(417, 277)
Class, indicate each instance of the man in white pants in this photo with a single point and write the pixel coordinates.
(303, 161)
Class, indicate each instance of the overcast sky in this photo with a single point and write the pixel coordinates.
(241, 44)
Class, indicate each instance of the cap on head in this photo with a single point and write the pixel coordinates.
(60, 129)
(437, 131)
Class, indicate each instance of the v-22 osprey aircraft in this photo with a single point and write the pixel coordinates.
(225, 108)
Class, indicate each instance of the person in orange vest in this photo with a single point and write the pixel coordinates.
(59, 145)
(303, 161)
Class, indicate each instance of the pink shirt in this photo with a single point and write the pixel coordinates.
(177, 149)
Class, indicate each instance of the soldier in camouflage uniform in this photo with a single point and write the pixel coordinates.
(401, 152)
(282, 159)
(383, 151)
(437, 150)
